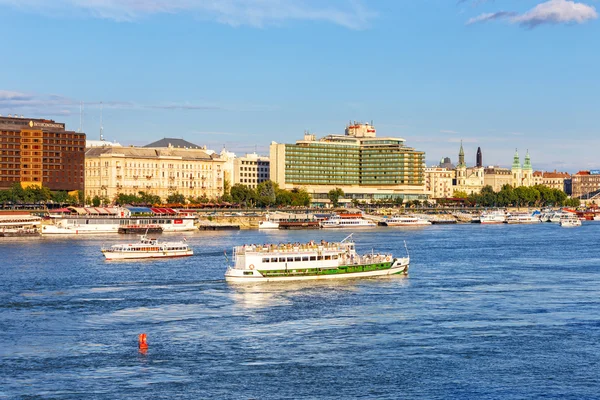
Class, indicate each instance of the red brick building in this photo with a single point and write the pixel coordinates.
(40, 151)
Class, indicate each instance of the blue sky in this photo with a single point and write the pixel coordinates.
(500, 74)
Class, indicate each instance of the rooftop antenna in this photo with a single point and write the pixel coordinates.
(101, 127)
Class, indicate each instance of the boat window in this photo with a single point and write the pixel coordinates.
(290, 259)
(297, 259)
(335, 256)
(274, 259)
(313, 258)
(248, 273)
(304, 258)
(328, 257)
(266, 260)
(319, 257)
(281, 259)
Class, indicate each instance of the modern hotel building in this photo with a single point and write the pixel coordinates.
(40, 152)
(365, 167)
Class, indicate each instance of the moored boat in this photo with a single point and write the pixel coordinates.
(292, 262)
(19, 225)
(353, 222)
(519, 218)
(147, 248)
(268, 223)
(569, 220)
(493, 217)
(405, 220)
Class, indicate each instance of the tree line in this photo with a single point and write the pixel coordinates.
(34, 194)
(522, 196)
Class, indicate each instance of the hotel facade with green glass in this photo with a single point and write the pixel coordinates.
(365, 167)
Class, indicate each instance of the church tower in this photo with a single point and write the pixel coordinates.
(517, 173)
(527, 173)
(461, 168)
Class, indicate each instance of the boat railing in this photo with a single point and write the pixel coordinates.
(287, 248)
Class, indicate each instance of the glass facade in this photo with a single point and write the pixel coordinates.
(321, 163)
(368, 162)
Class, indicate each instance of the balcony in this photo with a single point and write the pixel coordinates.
(119, 176)
(135, 176)
(148, 186)
(148, 176)
(135, 186)
(118, 167)
(172, 187)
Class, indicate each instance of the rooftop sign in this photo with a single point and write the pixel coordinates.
(36, 124)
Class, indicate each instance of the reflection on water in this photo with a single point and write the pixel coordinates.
(499, 312)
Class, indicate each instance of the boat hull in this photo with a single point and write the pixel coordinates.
(113, 255)
(395, 267)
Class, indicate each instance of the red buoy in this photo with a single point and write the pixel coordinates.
(142, 341)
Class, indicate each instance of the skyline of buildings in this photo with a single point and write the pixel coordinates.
(366, 167)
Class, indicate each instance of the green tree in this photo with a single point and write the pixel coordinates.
(96, 201)
(284, 198)
(242, 194)
(459, 194)
(266, 193)
(300, 197)
(60, 197)
(334, 196)
(176, 198)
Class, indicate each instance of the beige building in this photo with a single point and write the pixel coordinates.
(496, 177)
(367, 168)
(251, 169)
(554, 180)
(585, 184)
(160, 171)
(438, 182)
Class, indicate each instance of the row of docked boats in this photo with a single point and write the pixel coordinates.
(564, 218)
(351, 221)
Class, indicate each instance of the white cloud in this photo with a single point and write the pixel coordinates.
(549, 12)
(490, 17)
(257, 13)
(448, 131)
(555, 12)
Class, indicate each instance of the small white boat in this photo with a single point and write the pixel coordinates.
(569, 221)
(559, 215)
(493, 217)
(405, 220)
(339, 222)
(268, 223)
(524, 218)
(147, 248)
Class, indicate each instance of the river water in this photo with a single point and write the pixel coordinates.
(504, 311)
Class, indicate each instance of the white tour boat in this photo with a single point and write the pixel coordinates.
(493, 217)
(293, 262)
(569, 220)
(524, 218)
(355, 222)
(19, 225)
(82, 224)
(147, 248)
(405, 220)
